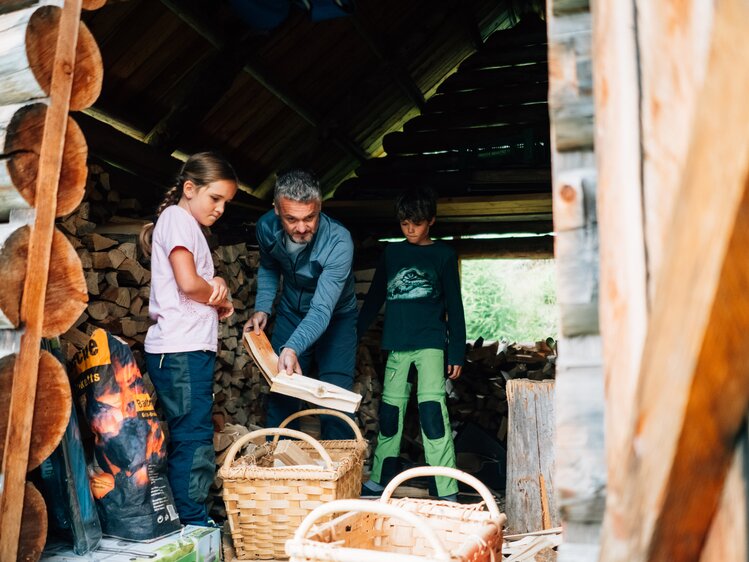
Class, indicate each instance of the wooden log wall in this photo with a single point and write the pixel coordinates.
(50, 64)
(580, 470)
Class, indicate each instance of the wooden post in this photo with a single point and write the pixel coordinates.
(15, 460)
(694, 366)
(531, 503)
(580, 475)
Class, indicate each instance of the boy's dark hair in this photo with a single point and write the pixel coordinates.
(416, 204)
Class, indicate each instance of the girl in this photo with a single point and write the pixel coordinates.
(187, 302)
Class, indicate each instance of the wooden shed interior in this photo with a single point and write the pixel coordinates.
(371, 95)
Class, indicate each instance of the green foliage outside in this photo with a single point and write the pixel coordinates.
(511, 300)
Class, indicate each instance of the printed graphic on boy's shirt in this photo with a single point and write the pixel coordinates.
(411, 283)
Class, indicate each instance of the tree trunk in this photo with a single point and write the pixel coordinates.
(531, 505)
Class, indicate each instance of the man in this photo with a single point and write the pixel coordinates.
(316, 315)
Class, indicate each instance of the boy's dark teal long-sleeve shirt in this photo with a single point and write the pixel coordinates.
(420, 287)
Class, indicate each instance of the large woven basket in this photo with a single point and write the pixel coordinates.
(405, 530)
(265, 504)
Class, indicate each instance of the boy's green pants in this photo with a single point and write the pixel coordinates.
(433, 417)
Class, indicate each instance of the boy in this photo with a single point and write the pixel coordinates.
(418, 281)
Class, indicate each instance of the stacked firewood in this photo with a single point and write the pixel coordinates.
(479, 395)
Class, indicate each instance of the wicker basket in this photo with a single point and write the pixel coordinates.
(405, 530)
(265, 504)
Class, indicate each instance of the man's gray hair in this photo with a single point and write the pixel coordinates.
(297, 185)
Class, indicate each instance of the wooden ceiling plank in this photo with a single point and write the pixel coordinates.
(480, 117)
(396, 69)
(694, 375)
(487, 59)
(265, 79)
(492, 206)
(489, 98)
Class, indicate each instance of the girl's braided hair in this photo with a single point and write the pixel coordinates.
(201, 169)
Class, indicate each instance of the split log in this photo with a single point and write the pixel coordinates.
(531, 505)
(31, 36)
(21, 129)
(52, 406)
(66, 294)
(33, 534)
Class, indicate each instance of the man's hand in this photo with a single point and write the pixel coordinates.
(256, 322)
(288, 362)
(453, 371)
(220, 291)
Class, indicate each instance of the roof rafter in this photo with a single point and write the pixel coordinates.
(262, 76)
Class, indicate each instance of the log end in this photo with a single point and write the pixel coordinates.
(41, 41)
(66, 288)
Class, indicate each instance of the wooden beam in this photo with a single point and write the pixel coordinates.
(461, 208)
(536, 247)
(694, 387)
(516, 248)
(490, 97)
(396, 69)
(480, 117)
(142, 160)
(269, 82)
(361, 228)
(452, 181)
(432, 163)
(505, 57)
(623, 310)
(196, 95)
(571, 83)
(567, 6)
(25, 373)
(463, 139)
(494, 78)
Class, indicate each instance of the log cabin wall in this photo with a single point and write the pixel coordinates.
(50, 65)
(580, 466)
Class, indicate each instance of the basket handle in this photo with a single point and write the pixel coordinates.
(242, 441)
(327, 412)
(367, 506)
(486, 495)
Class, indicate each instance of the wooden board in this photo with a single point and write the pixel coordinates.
(296, 385)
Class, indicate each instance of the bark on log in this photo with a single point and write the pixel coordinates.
(26, 64)
(531, 505)
(21, 129)
(52, 406)
(66, 287)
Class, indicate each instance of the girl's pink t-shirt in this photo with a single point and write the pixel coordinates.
(182, 324)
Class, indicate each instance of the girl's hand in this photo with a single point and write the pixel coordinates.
(225, 309)
(220, 291)
(453, 371)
